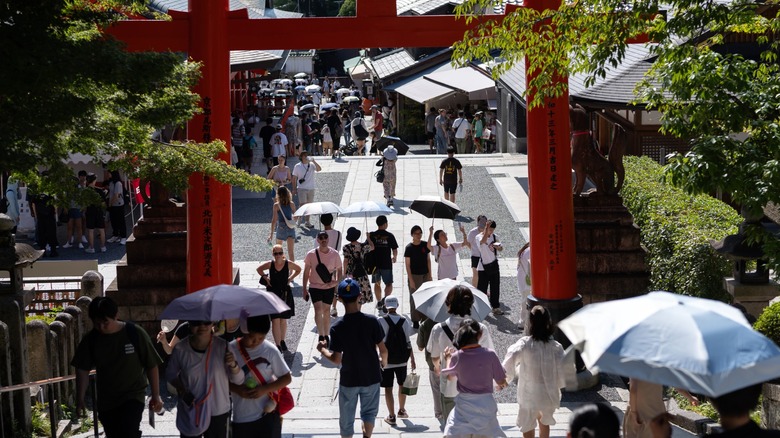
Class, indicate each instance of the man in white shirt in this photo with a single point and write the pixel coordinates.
(489, 274)
(278, 144)
(472, 239)
(462, 129)
(303, 182)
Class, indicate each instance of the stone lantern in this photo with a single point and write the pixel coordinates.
(14, 257)
(750, 287)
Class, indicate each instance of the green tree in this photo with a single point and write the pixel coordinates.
(65, 87)
(708, 89)
(348, 9)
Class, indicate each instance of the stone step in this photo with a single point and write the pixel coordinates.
(167, 248)
(597, 237)
(603, 287)
(598, 262)
(166, 274)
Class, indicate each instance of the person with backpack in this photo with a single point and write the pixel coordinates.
(125, 361)
(248, 144)
(459, 301)
(398, 331)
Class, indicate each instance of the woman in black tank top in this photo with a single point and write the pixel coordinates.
(281, 273)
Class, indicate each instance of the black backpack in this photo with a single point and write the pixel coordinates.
(4, 205)
(398, 350)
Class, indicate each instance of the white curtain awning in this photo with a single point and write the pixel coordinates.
(465, 79)
(423, 90)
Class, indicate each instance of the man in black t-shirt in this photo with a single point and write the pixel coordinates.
(266, 132)
(418, 268)
(385, 254)
(450, 174)
(354, 341)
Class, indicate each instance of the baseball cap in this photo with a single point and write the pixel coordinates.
(391, 302)
(349, 288)
(278, 126)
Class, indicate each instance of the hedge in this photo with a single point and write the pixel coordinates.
(675, 229)
(768, 323)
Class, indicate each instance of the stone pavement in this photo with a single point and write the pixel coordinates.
(315, 380)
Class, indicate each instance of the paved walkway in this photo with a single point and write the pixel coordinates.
(315, 380)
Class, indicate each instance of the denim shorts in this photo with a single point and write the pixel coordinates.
(283, 233)
(386, 275)
(74, 213)
(348, 399)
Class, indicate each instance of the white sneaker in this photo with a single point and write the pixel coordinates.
(113, 239)
(67, 245)
(90, 250)
(81, 246)
(84, 240)
(122, 241)
(102, 249)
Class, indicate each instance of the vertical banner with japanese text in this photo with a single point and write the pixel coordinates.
(553, 250)
(209, 216)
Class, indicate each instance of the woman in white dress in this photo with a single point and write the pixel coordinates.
(537, 360)
(446, 254)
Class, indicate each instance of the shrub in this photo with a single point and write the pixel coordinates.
(675, 229)
(768, 324)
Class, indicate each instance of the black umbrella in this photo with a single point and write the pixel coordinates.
(435, 207)
(399, 144)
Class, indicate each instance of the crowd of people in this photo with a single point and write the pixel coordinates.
(465, 132)
(91, 208)
(228, 375)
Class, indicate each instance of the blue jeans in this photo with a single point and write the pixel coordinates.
(441, 143)
(348, 398)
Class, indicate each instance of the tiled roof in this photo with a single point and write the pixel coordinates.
(617, 87)
(255, 8)
(391, 62)
(422, 7)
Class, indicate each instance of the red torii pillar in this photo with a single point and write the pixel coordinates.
(209, 31)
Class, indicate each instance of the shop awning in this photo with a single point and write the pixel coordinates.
(422, 90)
(465, 79)
(419, 89)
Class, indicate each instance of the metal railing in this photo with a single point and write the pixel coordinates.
(49, 385)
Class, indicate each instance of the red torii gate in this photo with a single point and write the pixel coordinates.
(209, 31)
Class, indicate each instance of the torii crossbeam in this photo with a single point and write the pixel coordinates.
(209, 31)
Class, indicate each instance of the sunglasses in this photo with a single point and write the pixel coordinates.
(278, 253)
(199, 323)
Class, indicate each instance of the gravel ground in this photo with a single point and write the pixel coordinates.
(475, 201)
(251, 226)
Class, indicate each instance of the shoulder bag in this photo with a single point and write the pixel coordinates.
(194, 419)
(492, 267)
(283, 398)
(322, 270)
